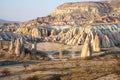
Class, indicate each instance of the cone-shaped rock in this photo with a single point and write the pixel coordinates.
(34, 48)
(11, 47)
(36, 33)
(96, 44)
(18, 47)
(22, 48)
(86, 50)
(53, 32)
(60, 53)
(1, 45)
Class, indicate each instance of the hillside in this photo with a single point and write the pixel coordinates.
(79, 13)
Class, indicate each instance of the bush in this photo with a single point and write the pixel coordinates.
(117, 68)
(32, 78)
(5, 72)
(25, 66)
(65, 52)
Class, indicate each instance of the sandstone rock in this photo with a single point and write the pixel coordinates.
(60, 53)
(108, 35)
(18, 47)
(22, 47)
(11, 47)
(86, 50)
(34, 48)
(79, 13)
(96, 44)
(53, 32)
(36, 33)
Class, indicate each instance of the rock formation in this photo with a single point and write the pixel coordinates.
(76, 36)
(35, 33)
(53, 32)
(18, 47)
(71, 24)
(1, 45)
(96, 44)
(34, 48)
(79, 13)
(11, 47)
(86, 50)
(73, 14)
(60, 54)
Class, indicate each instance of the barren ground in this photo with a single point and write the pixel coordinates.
(104, 67)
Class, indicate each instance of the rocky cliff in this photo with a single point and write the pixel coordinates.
(108, 35)
(79, 13)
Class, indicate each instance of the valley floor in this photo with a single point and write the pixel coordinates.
(99, 68)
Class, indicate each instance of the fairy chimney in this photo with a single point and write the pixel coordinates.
(11, 47)
(34, 48)
(86, 49)
(60, 54)
(53, 32)
(96, 44)
(21, 45)
(1, 45)
(18, 47)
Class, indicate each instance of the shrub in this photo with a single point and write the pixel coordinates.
(25, 66)
(65, 52)
(5, 72)
(117, 68)
(32, 78)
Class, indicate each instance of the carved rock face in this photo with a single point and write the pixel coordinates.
(108, 36)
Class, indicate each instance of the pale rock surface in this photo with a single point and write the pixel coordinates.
(11, 47)
(36, 33)
(34, 48)
(86, 49)
(109, 35)
(53, 32)
(18, 47)
(1, 45)
(96, 44)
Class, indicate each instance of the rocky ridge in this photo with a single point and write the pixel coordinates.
(109, 35)
(79, 13)
(85, 18)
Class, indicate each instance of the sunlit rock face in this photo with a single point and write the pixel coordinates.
(79, 13)
(96, 44)
(86, 49)
(18, 47)
(76, 15)
(11, 47)
(33, 32)
(107, 36)
(82, 7)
